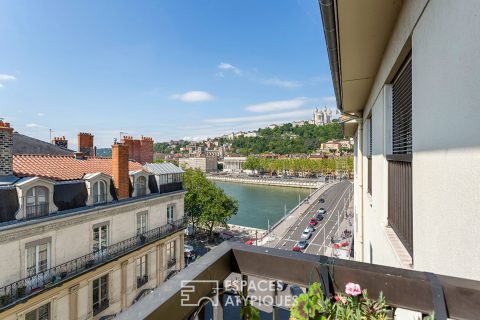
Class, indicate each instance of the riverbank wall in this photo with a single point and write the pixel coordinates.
(293, 183)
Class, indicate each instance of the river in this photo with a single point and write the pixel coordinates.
(260, 204)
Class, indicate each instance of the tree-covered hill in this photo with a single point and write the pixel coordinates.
(286, 139)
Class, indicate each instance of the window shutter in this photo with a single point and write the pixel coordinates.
(402, 109)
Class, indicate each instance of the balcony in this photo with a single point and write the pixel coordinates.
(141, 281)
(418, 291)
(171, 263)
(171, 187)
(37, 210)
(27, 287)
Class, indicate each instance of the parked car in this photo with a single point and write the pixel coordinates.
(319, 217)
(306, 234)
(322, 211)
(189, 252)
(321, 200)
(313, 222)
(296, 247)
(310, 228)
(302, 244)
(295, 290)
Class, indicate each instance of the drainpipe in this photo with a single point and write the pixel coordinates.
(360, 225)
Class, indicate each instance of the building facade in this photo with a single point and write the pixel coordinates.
(234, 164)
(205, 164)
(85, 237)
(416, 172)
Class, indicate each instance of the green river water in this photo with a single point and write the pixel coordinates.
(259, 205)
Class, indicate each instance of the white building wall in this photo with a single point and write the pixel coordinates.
(446, 149)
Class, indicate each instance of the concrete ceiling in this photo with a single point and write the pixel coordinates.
(363, 29)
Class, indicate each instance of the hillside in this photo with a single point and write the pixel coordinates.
(286, 139)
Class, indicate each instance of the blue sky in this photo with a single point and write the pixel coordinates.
(166, 69)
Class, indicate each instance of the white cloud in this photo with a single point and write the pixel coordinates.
(40, 114)
(279, 117)
(33, 125)
(1, 85)
(329, 99)
(277, 105)
(228, 66)
(288, 84)
(193, 96)
(7, 77)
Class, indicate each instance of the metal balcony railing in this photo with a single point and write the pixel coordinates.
(29, 286)
(171, 263)
(99, 308)
(141, 281)
(37, 210)
(424, 292)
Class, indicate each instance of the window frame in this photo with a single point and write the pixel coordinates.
(36, 247)
(171, 213)
(100, 239)
(141, 270)
(37, 314)
(103, 300)
(142, 217)
(141, 186)
(36, 203)
(97, 193)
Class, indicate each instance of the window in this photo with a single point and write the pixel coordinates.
(99, 192)
(400, 208)
(141, 186)
(142, 222)
(100, 237)
(37, 202)
(171, 259)
(37, 257)
(170, 213)
(142, 271)
(100, 294)
(369, 154)
(42, 313)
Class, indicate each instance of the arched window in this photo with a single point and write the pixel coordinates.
(37, 202)
(141, 186)
(99, 192)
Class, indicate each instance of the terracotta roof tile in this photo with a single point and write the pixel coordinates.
(62, 167)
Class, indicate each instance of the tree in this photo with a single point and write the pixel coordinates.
(205, 203)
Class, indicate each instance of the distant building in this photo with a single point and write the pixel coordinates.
(205, 164)
(233, 164)
(321, 117)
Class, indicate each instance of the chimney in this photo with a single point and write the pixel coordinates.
(60, 142)
(146, 150)
(6, 146)
(128, 140)
(85, 143)
(121, 179)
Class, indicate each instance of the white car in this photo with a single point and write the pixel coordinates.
(189, 252)
(306, 234)
(322, 211)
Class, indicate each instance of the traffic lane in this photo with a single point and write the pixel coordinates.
(296, 230)
(294, 235)
(322, 237)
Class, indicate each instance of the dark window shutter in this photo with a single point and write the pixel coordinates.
(402, 109)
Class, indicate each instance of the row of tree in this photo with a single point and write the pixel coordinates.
(206, 205)
(326, 166)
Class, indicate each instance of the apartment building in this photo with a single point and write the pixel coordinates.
(233, 164)
(406, 74)
(83, 237)
(205, 164)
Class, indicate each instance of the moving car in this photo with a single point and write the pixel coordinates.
(313, 222)
(302, 244)
(306, 234)
(322, 211)
(295, 290)
(321, 200)
(189, 252)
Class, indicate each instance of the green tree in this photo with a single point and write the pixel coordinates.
(205, 203)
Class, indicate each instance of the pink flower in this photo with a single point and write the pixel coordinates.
(341, 299)
(337, 298)
(353, 289)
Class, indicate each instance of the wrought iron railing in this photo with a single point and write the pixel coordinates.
(37, 210)
(171, 263)
(99, 308)
(29, 286)
(141, 281)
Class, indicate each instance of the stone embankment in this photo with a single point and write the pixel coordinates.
(280, 182)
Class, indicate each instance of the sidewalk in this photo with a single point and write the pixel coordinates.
(279, 230)
(346, 224)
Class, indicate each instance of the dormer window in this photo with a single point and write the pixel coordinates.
(99, 192)
(141, 186)
(37, 202)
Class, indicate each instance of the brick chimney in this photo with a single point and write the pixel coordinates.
(121, 179)
(128, 140)
(146, 150)
(6, 146)
(85, 143)
(60, 142)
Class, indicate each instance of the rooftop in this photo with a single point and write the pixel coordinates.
(162, 168)
(62, 167)
(27, 145)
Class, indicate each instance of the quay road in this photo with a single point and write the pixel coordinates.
(337, 198)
